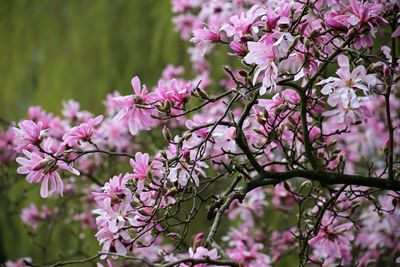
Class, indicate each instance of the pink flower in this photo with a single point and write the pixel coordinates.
(141, 167)
(201, 253)
(177, 91)
(204, 37)
(242, 24)
(19, 263)
(72, 111)
(207, 35)
(342, 90)
(7, 147)
(333, 241)
(134, 109)
(31, 216)
(81, 133)
(171, 72)
(262, 54)
(115, 189)
(248, 255)
(43, 168)
(27, 134)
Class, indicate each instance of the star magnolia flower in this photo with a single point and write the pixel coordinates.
(138, 116)
(83, 132)
(202, 253)
(43, 168)
(342, 90)
(262, 54)
(31, 216)
(204, 37)
(242, 24)
(141, 167)
(27, 134)
(177, 91)
(115, 189)
(333, 241)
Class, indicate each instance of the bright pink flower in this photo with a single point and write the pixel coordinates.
(177, 91)
(115, 189)
(27, 134)
(43, 168)
(262, 54)
(203, 38)
(142, 168)
(135, 108)
(81, 133)
(7, 147)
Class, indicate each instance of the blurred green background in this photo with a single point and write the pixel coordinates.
(53, 50)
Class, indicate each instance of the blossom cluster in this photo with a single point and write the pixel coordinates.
(306, 106)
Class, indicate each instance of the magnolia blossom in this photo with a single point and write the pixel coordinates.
(203, 38)
(135, 109)
(262, 54)
(201, 253)
(32, 217)
(28, 133)
(142, 169)
(81, 133)
(43, 168)
(176, 91)
(333, 241)
(342, 91)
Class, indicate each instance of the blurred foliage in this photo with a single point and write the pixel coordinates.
(81, 49)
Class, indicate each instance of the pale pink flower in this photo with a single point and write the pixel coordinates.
(7, 147)
(31, 216)
(71, 110)
(342, 91)
(170, 72)
(333, 241)
(115, 189)
(185, 23)
(242, 24)
(24, 262)
(201, 253)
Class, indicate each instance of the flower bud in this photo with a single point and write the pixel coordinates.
(202, 94)
(166, 133)
(197, 240)
(42, 164)
(167, 105)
